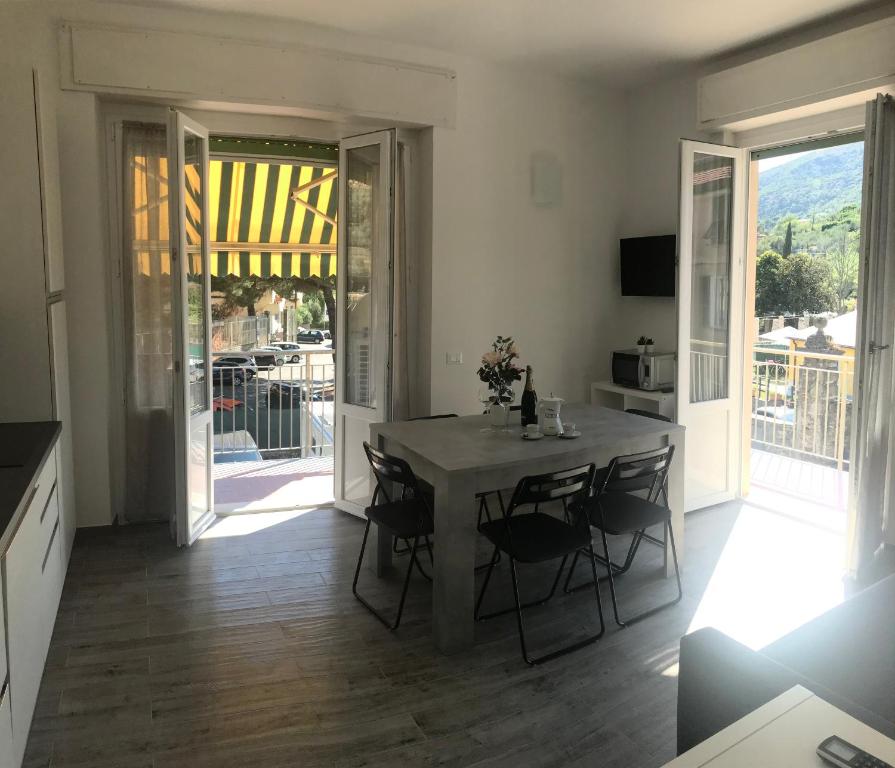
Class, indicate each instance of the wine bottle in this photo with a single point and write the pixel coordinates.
(529, 400)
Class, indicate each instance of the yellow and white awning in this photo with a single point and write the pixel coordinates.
(265, 219)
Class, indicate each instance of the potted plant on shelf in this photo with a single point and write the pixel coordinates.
(641, 345)
(650, 346)
(499, 370)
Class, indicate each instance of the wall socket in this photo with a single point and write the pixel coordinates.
(453, 358)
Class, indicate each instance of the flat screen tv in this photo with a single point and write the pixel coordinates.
(648, 265)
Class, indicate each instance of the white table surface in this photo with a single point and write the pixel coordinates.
(785, 733)
(459, 460)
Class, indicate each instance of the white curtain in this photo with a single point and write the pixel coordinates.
(403, 329)
(149, 384)
(873, 472)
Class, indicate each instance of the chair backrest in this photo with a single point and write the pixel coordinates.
(390, 469)
(644, 471)
(648, 414)
(561, 486)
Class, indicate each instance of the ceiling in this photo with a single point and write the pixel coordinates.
(620, 41)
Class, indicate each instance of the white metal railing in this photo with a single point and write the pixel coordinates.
(286, 411)
(801, 403)
(708, 376)
(234, 334)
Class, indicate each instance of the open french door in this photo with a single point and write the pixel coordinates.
(188, 217)
(364, 307)
(711, 278)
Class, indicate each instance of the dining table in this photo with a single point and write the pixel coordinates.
(461, 457)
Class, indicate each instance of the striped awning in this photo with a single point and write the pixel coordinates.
(265, 219)
(270, 219)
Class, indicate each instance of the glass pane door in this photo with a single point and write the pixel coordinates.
(361, 231)
(188, 153)
(363, 307)
(710, 277)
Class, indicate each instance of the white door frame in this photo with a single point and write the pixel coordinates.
(189, 524)
(382, 290)
(736, 318)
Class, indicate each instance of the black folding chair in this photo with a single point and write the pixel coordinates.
(536, 537)
(484, 509)
(614, 509)
(408, 517)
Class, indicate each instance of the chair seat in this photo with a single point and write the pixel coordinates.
(535, 537)
(404, 518)
(625, 513)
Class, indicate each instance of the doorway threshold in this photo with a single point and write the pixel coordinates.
(273, 485)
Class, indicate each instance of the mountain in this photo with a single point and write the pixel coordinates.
(821, 181)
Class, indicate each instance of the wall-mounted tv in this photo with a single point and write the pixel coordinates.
(648, 265)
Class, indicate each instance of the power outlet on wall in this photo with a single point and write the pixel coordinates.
(453, 358)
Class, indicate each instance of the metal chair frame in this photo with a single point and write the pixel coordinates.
(389, 469)
(534, 490)
(484, 510)
(646, 471)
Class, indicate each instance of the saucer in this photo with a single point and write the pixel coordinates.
(570, 435)
(526, 436)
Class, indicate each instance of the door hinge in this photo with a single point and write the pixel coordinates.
(177, 366)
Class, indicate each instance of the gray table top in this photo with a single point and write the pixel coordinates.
(460, 444)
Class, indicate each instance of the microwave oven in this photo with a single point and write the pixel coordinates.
(643, 371)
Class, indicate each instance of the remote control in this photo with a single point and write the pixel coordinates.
(838, 751)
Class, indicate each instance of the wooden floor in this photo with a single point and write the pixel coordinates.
(251, 651)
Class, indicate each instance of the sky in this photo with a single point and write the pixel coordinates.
(773, 162)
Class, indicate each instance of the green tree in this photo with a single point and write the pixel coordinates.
(806, 284)
(794, 285)
(769, 296)
(238, 292)
(787, 241)
(843, 236)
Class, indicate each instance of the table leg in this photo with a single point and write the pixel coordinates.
(453, 590)
(382, 551)
(676, 498)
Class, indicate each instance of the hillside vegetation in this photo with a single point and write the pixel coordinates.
(821, 182)
(808, 233)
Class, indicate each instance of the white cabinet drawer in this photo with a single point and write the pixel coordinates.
(43, 487)
(33, 583)
(7, 752)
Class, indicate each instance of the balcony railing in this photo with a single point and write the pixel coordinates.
(282, 412)
(802, 403)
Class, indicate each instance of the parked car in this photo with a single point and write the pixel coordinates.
(227, 372)
(291, 349)
(281, 393)
(244, 361)
(312, 336)
(268, 357)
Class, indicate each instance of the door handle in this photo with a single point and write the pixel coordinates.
(874, 347)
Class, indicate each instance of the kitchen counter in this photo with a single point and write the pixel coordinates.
(24, 448)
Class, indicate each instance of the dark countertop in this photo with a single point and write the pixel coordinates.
(24, 448)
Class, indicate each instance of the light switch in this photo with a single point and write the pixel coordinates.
(453, 358)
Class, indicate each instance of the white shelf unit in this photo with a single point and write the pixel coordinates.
(620, 398)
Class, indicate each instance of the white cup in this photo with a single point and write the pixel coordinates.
(532, 429)
(568, 427)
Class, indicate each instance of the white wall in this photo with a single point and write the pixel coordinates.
(657, 118)
(87, 293)
(501, 265)
(498, 263)
(548, 276)
(658, 115)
